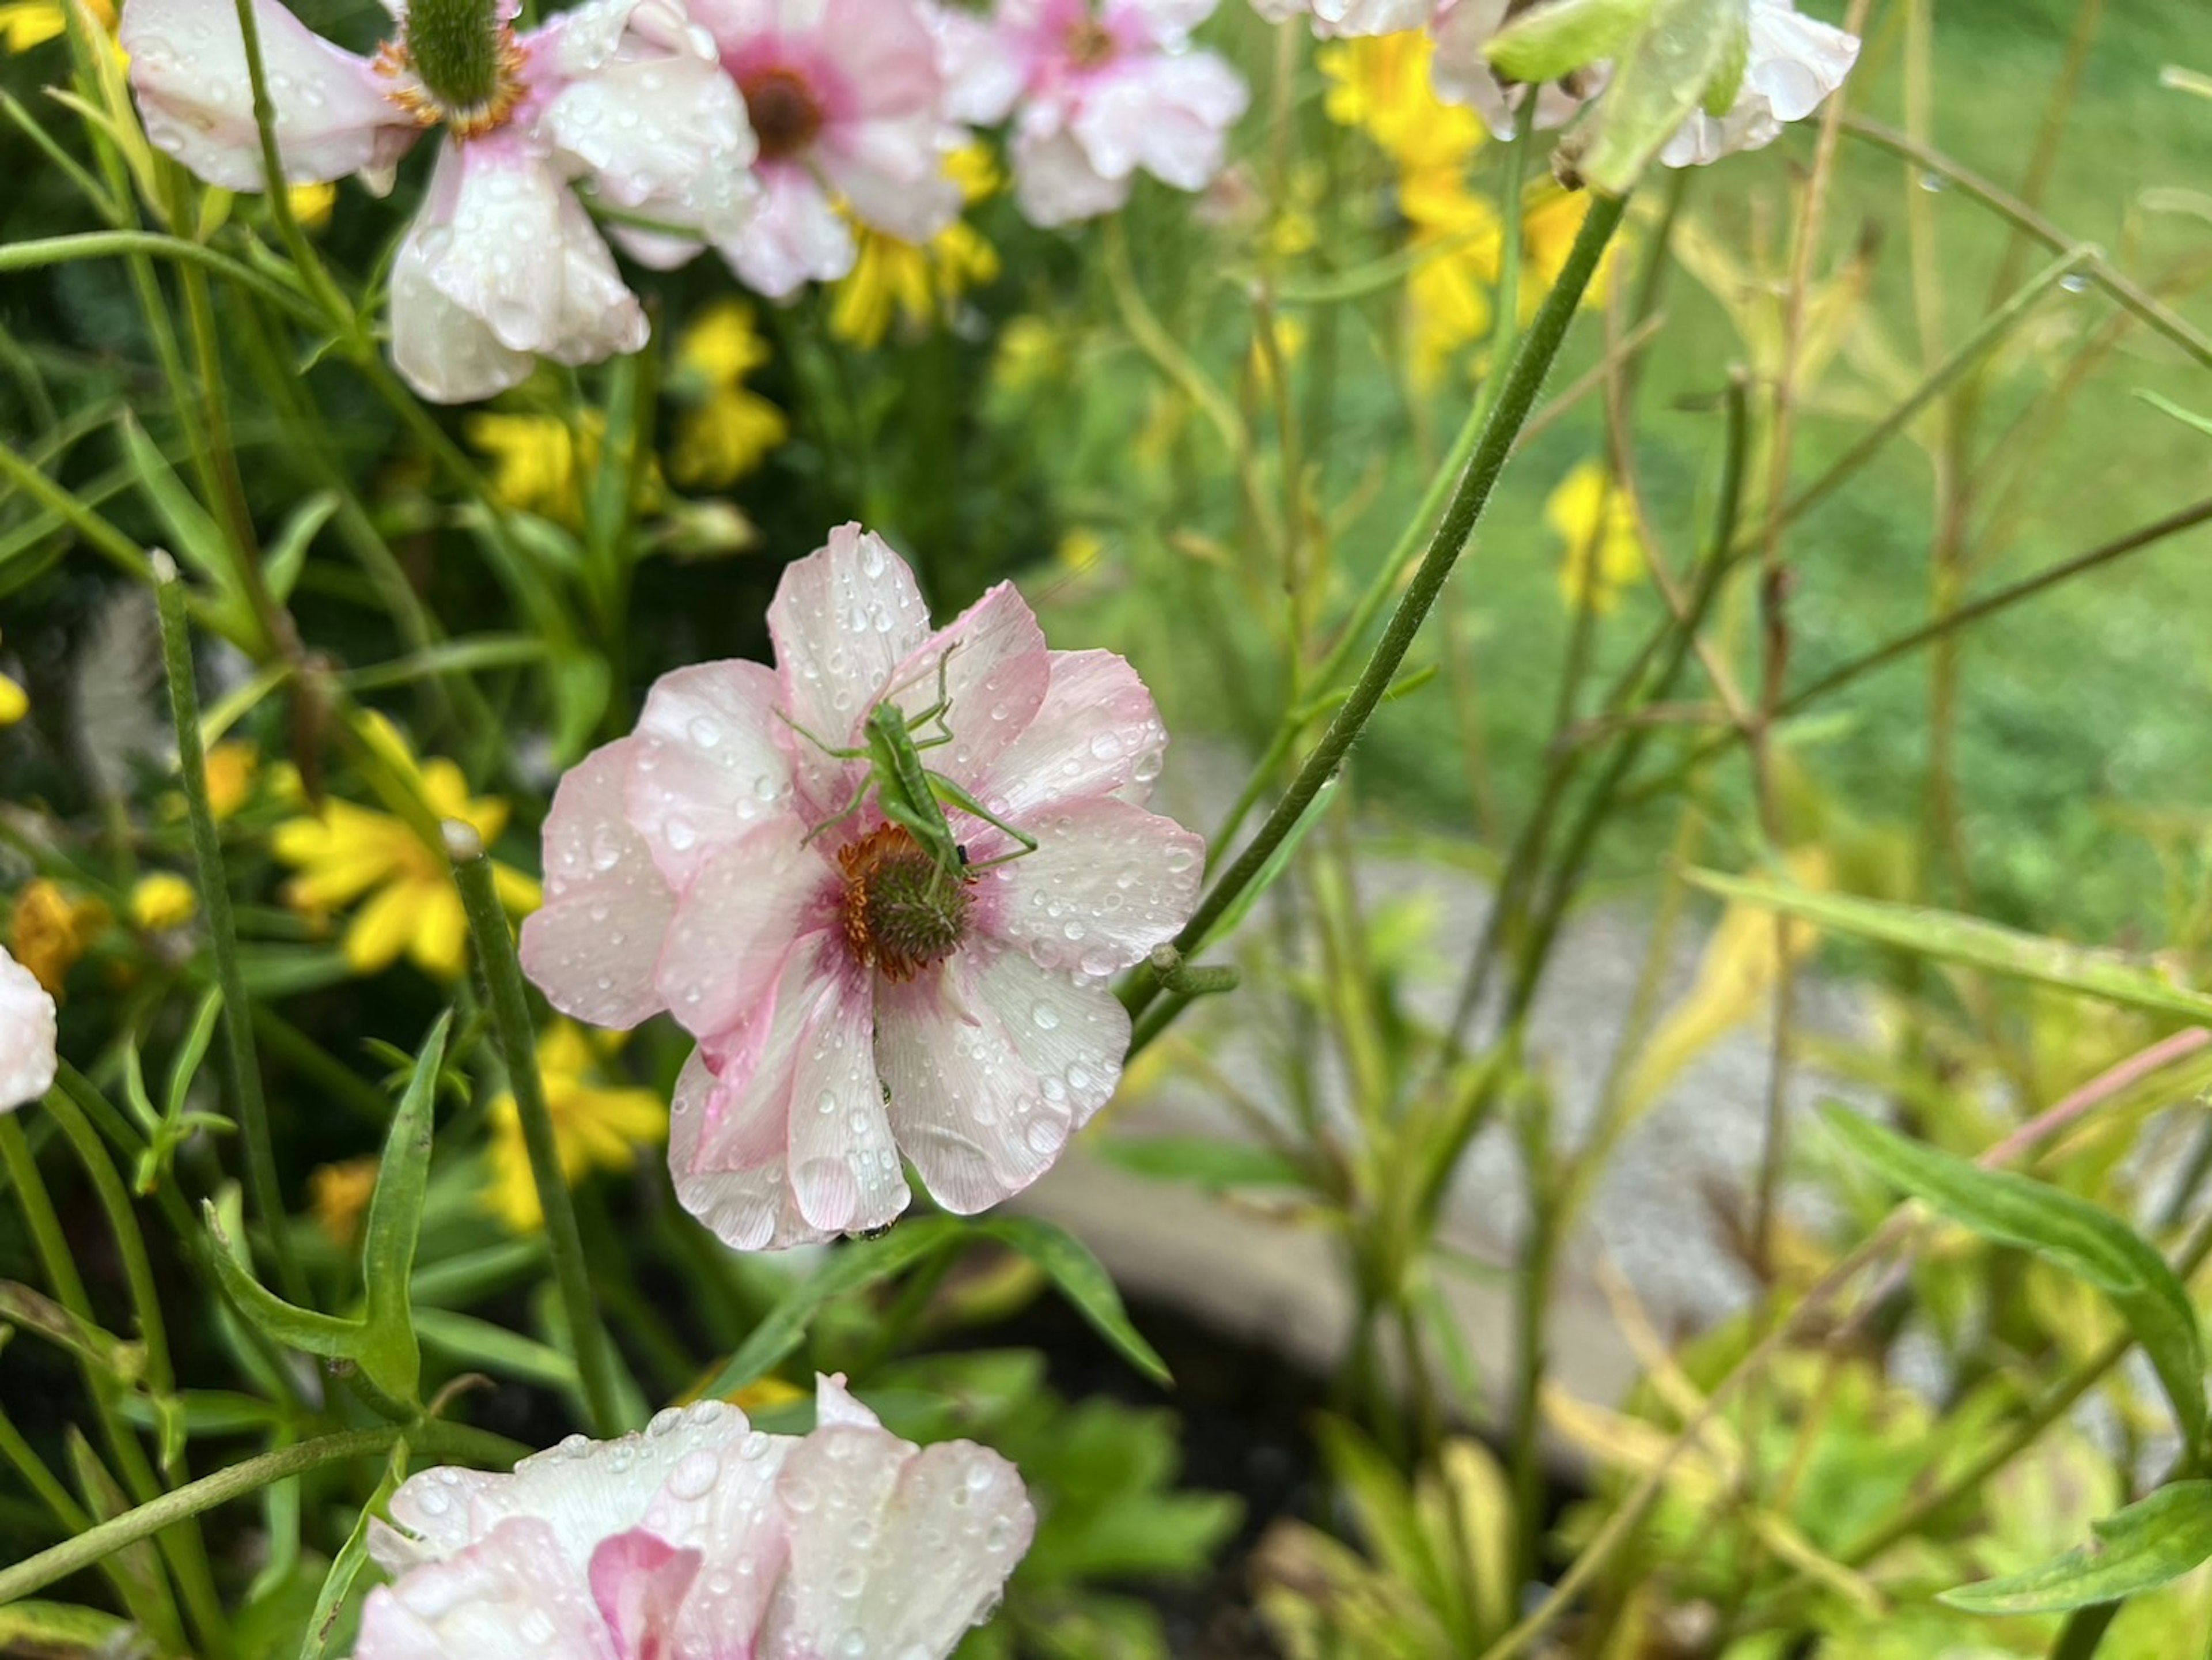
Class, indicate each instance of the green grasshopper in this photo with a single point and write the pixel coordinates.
(911, 796)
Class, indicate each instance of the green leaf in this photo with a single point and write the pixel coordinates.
(1546, 42)
(1082, 1280)
(388, 1352)
(1736, 58)
(1212, 1164)
(2167, 405)
(346, 1565)
(2151, 1543)
(1954, 939)
(122, 1363)
(304, 1329)
(851, 1268)
(1655, 87)
(62, 1628)
(288, 552)
(484, 1346)
(2073, 1233)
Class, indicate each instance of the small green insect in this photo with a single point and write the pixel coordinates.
(911, 796)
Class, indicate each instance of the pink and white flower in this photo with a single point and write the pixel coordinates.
(1097, 94)
(702, 1537)
(27, 1035)
(1462, 74)
(1795, 63)
(502, 265)
(852, 1003)
(848, 100)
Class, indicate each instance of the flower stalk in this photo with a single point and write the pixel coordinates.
(502, 973)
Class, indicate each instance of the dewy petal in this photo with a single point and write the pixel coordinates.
(991, 1065)
(711, 764)
(593, 947)
(27, 1034)
(1167, 115)
(663, 136)
(904, 1550)
(1462, 75)
(1054, 182)
(582, 40)
(796, 237)
(514, 1593)
(443, 352)
(842, 619)
(188, 67)
(996, 670)
(1097, 732)
(1795, 63)
(1107, 883)
(983, 73)
(789, 1143)
(640, 1582)
(739, 914)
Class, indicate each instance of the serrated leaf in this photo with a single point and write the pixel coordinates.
(2079, 1237)
(1546, 42)
(388, 1354)
(1068, 1263)
(2150, 1543)
(852, 1267)
(1210, 1163)
(1969, 940)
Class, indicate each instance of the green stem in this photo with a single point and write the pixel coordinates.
(121, 244)
(245, 1064)
(502, 973)
(130, 1238)
(1531, 363)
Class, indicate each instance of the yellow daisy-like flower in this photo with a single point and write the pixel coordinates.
(311, 205)
(595, 1125)
(1603, 554)
(232, 767)
(1380, 85)
(537, 460)
(918, 282)
(15, 701)
(350, 851)
(50, 931)
(339, 1194)
(161, 901)
(728, 427)
(28, 23)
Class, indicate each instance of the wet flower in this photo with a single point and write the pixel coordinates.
(703, 1535)
(26, 1035)
(502, 263)
(338, 1195)
(347, 852)
(1795, 63)
(1604, 554)
(726, 427)
(919, 282)
(855, 999)
(595, 1126)
(1334, 18)
(1463, 74)
(52, 931)
(28, 23)
(1096, 95)
(162, 900)
(846, 99)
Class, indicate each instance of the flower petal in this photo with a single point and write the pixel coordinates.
(1107, 883)
(188, 66)
(512, 1594)
(592, 949)
(842, 619)
(991, 1065)
(28, 1035)
(995, 671)
(710, 765)
(640, 1582)
(902, 1550)
(1055, 180)
(663, 136)
(1169, 115)
(982, 72)
(731, 930)
(444, 350)
(1097, 732)
(796, 237)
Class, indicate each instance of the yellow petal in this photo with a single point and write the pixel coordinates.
(439, 946)
(15, 703)
(384, 927)
(162, 900)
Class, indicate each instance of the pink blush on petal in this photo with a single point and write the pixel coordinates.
(640, 1582)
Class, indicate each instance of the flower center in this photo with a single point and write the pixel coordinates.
(1089, 44)
(902, 913)
(785, 113)
(455, 62)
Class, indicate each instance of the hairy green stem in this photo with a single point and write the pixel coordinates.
(502, 973)
(262, 1184)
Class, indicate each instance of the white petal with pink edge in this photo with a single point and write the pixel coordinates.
(991, 1065)
(1107, 883)
(514, 1593)
(796, 237)
(1097, 732)
(1169, 115)
(1055, 181)
(188, 67)
(665, 136)
(591, 948)
(733, 929)
(711, 766)
(994, 668)
(27, 1034)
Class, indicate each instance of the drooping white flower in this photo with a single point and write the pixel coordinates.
(1795, 63)
(502, 265)
(702, 1537)
(27, 1035)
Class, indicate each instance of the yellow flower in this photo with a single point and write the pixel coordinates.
(311, 204)
(1603, 553)
(1029, 355)
(350, 851)
(52, 931)
(15, 701)
(161, 901)
(918, 281)
(536, 460)
(339, 1194)
(1380, 85)
(594, 1125)
(1550, 219)
(230, 767)
(28, 23)
(728, 429)
(1289, 334)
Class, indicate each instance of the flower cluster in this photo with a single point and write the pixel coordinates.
(860, 990)
(703, 1535)
(779, 133)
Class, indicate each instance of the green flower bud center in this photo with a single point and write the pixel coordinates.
(460, 51)
(902, 912)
